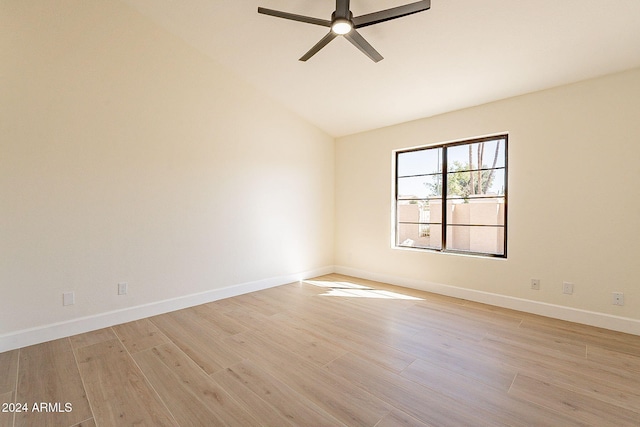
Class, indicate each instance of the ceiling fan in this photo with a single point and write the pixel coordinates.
(345, 24)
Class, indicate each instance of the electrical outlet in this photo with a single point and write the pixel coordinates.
(535, 284)
(567, 288)
(68, 298)
(618, 298)
(122, 288)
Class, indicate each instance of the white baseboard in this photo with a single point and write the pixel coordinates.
(81, 325)
(591, 318)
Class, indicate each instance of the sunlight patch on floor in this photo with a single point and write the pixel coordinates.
(353, 290)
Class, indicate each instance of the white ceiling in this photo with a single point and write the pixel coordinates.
(458, 54)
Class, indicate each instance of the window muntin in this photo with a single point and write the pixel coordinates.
(475, 213)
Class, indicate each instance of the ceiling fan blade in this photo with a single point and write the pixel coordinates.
(389, 14)
(322, 43)
(342, 9)
(358, 41)
(294, 17)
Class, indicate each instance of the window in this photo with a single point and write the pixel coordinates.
(471, 177)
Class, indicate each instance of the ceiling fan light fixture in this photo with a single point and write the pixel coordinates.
(341, 26)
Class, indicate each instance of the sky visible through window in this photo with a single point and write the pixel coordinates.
(429, 161)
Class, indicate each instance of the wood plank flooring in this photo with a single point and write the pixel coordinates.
(330, 351)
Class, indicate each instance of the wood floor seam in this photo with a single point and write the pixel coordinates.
(385, 416)
(231, 396)
(512, 381)
(82, 380)
(147, 380)
(15, 388)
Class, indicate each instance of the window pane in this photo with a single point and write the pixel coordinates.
(419, 187)
(494, 184)
(412, 211)
(488, 211)
(423, 211)
(466, 184)
(435, 210)
(420, 162)
(465, 157)
(458, 184)
(419, 236)
(486, 240)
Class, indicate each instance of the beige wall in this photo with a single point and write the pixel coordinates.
(574, 205)
(127, 156)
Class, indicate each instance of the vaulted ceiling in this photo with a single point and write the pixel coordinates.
(458, 54)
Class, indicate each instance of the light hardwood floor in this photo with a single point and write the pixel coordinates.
(331, 351)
